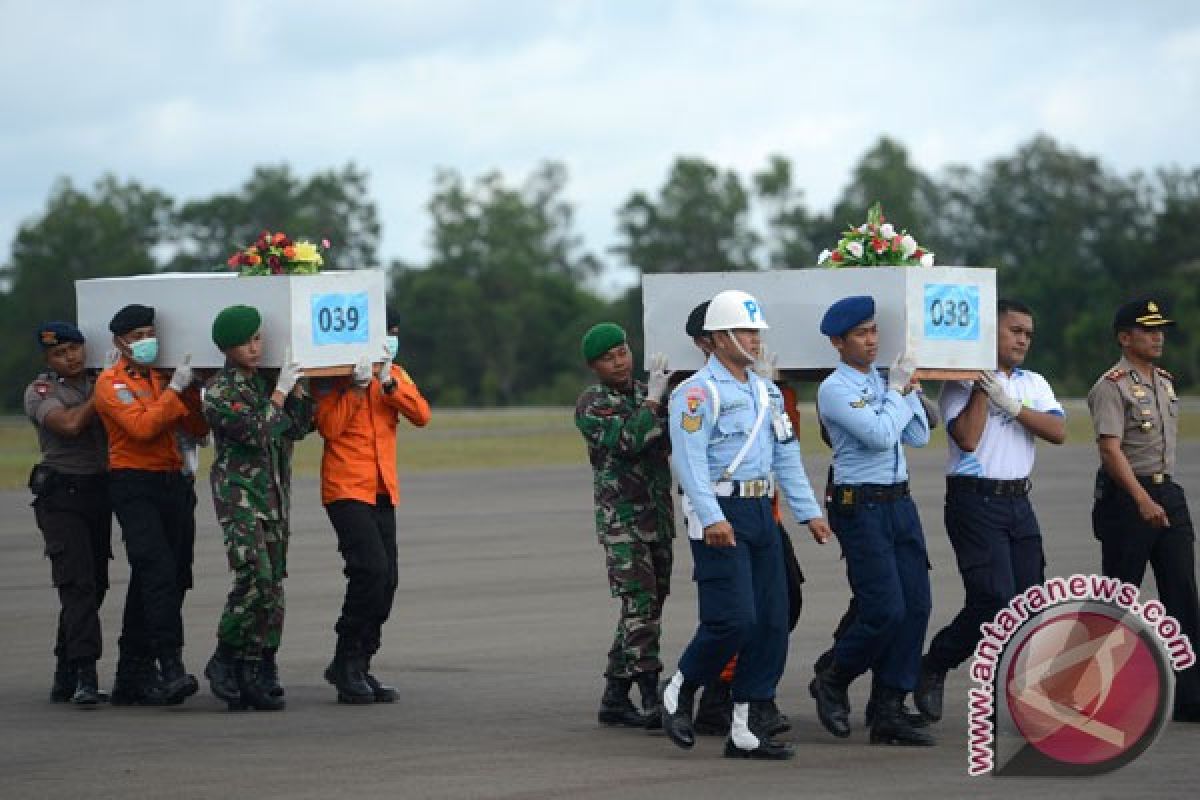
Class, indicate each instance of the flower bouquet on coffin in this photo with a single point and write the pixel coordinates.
(276, 254)
(875, 243)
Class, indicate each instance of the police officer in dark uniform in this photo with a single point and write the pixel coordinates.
(1141, 515)
(71, 506)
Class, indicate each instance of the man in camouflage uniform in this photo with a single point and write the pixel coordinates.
(253, 429)
(622, 421)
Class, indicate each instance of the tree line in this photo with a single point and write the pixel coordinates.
(495, 315)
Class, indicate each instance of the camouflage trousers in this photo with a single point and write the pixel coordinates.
(253, 616)
(639, 575)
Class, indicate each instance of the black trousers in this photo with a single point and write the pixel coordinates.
(76, 523)
(1128, 544)
(366, 537)
(998, 546)
(157, 515)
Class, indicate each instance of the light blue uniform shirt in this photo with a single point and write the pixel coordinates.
(868, 425)
(702, 447)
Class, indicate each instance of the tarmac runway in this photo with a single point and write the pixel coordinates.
(497, 645)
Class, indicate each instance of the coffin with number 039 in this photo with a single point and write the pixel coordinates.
(330, 320)
(946, 316)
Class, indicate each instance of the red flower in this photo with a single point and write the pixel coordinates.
(252, 259)
(234, 260)
(897, 243)
(276, 269)
(273, 261)
(278, 239)
(289, 252)
(918, 253)
(836, 257)
(878, 245)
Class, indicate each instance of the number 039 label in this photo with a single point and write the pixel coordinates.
(339, 318)
(951, 312)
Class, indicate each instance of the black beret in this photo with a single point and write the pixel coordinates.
(51, 334)
(695, 320)
(1145, 311)
(130, 318)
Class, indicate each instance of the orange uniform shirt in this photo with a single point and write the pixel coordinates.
(140, 415)
(359, 429)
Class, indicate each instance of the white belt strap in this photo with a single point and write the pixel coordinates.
(764, 403)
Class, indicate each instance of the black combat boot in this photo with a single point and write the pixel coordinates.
(346, 672)
(382, 692)
(87, 692)
(767, 719)
(931, 688)
(647, 683)
(221, 671)
(890, 726)
(615, 706)
(745, 742)
(829, 689)
(177, 683)
(254, 693)
(678, 696)
(914, 718)
(65, 681)
(268, 672)
(136, 682)
(714, 709)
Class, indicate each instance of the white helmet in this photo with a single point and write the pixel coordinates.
(732, 309)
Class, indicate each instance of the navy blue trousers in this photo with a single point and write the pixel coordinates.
(888, 569)
(743, 604)
(998, 546)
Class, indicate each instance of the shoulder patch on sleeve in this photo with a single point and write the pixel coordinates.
(1115, 374)
(695, 396)
(41, 387)
(1164, 373)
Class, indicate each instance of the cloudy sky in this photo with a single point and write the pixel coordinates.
(189, 96)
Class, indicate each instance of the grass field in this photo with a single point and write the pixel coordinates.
(493, 439)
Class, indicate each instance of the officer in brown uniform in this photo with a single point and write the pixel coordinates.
(70, 503)
(1141, 515)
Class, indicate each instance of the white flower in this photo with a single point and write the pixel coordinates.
(862, 228)
(887, 231)
(855, 249)
(908, 245)
(825, 254)
(927, 260)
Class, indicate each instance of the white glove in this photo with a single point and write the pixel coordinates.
(182, 377)
(656, 380)
(289, 373)
(901, 372)
(386, 381)
(362, 373)
(767, 366)
(999, 397)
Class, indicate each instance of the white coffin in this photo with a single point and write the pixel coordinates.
(946, 315)
(330, 319)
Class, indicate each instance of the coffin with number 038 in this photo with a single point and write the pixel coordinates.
(330, 320)
(946, 316)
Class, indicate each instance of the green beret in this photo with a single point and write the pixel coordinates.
(600, 339)
(235, 325)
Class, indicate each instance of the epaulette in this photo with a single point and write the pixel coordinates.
(1115, 374)
(1163, 373)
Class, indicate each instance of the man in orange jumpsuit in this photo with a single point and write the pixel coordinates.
(142, 412)
(357, 418)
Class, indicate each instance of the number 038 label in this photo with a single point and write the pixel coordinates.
(951, 312)
(339, 318)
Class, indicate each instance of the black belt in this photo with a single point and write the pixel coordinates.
(1014, 488)
(849, 494)
(1155, 479)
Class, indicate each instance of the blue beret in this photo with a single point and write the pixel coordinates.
(52, 334)
(847, 313)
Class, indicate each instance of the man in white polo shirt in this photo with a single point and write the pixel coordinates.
(992, 424)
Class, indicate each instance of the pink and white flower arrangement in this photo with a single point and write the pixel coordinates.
(876, 243)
